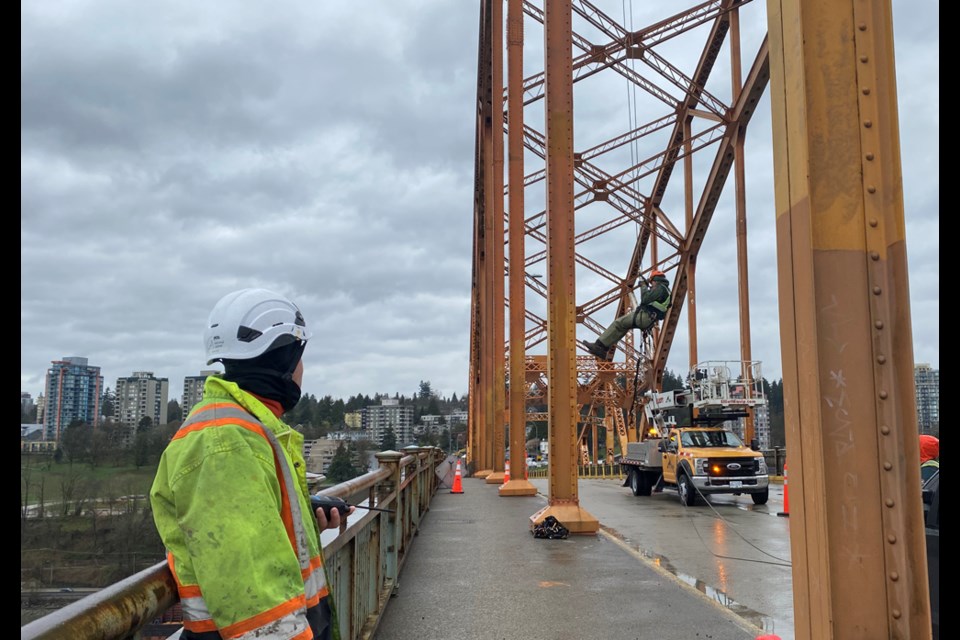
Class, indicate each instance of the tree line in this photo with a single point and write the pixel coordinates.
(315, 417)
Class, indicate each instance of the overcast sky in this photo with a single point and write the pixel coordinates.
(174, 151)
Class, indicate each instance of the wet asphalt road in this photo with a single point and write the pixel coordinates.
(728, 548)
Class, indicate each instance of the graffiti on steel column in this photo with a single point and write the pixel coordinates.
(840, 431)
(838, 425)
(836, 414)
(841, 436)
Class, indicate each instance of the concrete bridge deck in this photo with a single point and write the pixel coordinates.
(476, 571)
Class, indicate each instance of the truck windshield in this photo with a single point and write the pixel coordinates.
(710, 439)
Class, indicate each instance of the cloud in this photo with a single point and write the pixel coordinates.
(327, 152)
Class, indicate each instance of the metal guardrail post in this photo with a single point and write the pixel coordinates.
(393, 523)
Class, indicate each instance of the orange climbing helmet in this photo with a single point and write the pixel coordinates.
(656, 274)
(929, 448)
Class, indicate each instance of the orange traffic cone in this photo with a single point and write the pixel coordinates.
(786, 495)
(457, 480)
(506, 473)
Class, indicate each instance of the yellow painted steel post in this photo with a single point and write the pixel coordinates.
(563, 501)
(609, 428)
(497, 262)
(856, 519)
(517, 485)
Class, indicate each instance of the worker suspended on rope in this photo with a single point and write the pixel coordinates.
(654, 302)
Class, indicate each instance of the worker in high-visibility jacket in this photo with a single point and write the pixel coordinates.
(654, 301)
(929, 456)
(230, 497)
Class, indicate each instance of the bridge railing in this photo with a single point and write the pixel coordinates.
(363, 560)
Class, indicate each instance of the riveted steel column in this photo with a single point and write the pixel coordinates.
(485, 463)
(740, 195)
(497, 263)
(518, 485)
(564, 503)
(856, 519)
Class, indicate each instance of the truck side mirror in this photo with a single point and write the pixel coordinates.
(755, 444)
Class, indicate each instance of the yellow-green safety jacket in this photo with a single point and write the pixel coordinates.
(231, 504)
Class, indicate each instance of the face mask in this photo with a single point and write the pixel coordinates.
(289, 394)
(270, 375)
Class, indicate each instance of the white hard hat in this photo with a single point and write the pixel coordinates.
(247, 323)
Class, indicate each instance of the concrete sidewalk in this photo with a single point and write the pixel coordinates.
(476, 572)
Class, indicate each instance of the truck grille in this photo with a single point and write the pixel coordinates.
(732, 467)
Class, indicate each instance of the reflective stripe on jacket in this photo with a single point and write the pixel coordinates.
(657, 298)
(231, 504)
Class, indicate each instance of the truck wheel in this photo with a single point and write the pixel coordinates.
(639, 483)
(688, 492)
(760, 498)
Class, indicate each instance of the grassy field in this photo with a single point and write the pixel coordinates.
(41, 474)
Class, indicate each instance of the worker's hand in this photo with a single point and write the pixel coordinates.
(335, 518)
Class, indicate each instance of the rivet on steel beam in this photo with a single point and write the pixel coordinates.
(892, 539)
(887, 466)
(878, 324)
(874, 255)
(885, 430)
(883, 395)
(896, 614)
(890, 504)
(865, 91)
(894, 576)
(869, 156)
(864, 58)
(873, 222)
(876, 291)
(881, 359)
(871, 189)
(868, 123)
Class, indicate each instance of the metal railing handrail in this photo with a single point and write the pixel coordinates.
(403, 484)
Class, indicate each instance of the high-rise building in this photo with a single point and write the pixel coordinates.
(27, 407)
(318, 454)
(73, 389)
(389, 414)
(193, 390)
(926, 380)
(41, 405)
(761, 426)
(353, 419)
(141, 396)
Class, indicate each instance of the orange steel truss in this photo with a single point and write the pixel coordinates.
(592, 205)
(632, 211)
